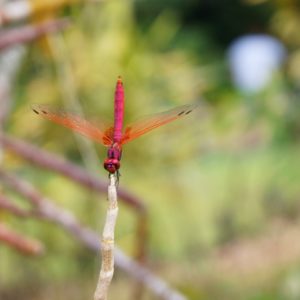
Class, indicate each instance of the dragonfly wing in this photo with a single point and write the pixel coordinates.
(151, 122)
(100, 134)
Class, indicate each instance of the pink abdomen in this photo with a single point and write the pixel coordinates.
(119, 111)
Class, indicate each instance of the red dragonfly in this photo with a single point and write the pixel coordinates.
(114, 137)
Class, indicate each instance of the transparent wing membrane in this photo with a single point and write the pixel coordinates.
(101, 134)
(151, 122)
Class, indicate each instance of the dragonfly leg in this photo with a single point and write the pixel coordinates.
(118, 175)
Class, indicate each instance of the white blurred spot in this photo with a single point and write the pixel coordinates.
(253, 59)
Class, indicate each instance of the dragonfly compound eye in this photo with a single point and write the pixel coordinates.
(111, 165)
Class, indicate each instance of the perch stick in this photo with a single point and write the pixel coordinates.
(76, 173)
(47, 210)
(107, 242)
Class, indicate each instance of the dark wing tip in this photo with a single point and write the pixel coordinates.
(38, 109)
(186, 112)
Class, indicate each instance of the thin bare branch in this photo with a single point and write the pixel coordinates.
(78, 174)
(19, 242)
(144, 276)
(53, 162)
(49, 211)
(23, 34)
(108, 242)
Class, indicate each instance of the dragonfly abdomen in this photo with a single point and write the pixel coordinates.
(119, 111)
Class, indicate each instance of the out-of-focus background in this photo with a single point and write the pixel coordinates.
(221, 187)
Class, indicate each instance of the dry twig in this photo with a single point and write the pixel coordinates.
(107, 242)
(47, 160)
(45, 209)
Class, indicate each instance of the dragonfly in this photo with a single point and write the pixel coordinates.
(114, 136)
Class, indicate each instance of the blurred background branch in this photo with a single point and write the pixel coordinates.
(207, 195)
(19, 242)
(52, 162)
(28, 33)
(46, 209)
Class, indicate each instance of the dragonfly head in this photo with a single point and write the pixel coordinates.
(112, 165)
(112, 162)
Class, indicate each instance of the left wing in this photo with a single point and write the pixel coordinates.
(100, 133)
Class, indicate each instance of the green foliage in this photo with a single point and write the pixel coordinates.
(207, 180)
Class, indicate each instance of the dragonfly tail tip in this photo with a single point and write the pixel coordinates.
(119, 79)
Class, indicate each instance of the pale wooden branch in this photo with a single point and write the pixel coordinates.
(27, 33)
(47, 160)
(107, 242)
(47, 210)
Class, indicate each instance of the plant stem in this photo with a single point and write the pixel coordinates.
(46, 209)
(107, 242)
